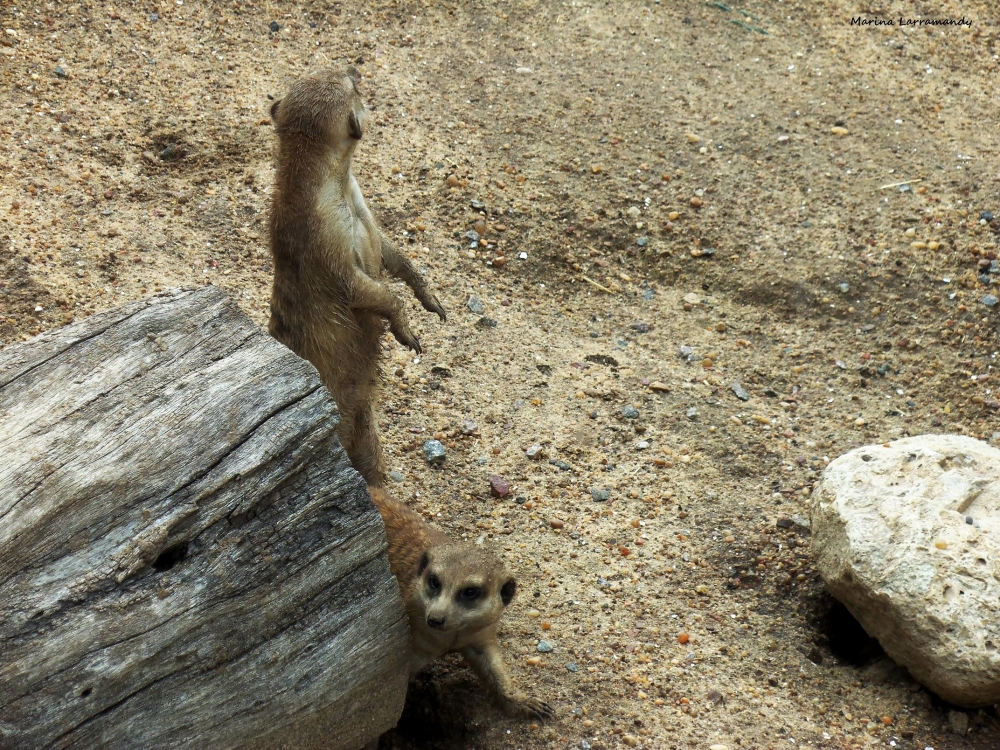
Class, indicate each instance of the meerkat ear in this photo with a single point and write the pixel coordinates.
(354, 75)
(274, 109)
(507, 591)
(355, 126)
(424, 562)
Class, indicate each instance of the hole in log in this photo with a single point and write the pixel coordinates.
(170, 557)
(86, 692)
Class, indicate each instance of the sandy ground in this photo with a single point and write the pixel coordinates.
(673, 198)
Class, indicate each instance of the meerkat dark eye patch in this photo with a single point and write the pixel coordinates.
(274, 109)
(424, 562)
(433, 583)
(355, 126)
(507, 591)
(470, 593)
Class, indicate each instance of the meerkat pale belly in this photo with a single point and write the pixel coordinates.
(328, 304)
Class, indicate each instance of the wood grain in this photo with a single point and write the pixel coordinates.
(187, 559)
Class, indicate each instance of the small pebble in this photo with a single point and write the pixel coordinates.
(533, 613)
(274, 26)
(395, 476)
(740, 391)
(839, 130)
(544, 647)
(990, 300)
(534, 452)
(499, 487)
(697, 202)
(600, 496)
(60, 72)
(986, 216)
(485, 322)
(630, 412)
(534, 661)
(683, 638)
(941, 545)
(477, 204)
(434, 451)
(642, 241)
(475, 305)
(556, 523)
(571, 666)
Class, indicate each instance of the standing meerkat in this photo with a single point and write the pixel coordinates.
(327, 303)
(454, 594)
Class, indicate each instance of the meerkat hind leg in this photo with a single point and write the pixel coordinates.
(366, 450)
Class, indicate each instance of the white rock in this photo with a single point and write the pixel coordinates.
(893, 542)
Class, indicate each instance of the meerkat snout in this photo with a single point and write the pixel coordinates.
(436, 622)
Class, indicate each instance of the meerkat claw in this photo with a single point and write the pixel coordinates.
(434, 306)
(538, 708)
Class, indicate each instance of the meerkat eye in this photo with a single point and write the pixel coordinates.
(433, 583)
(471, 592)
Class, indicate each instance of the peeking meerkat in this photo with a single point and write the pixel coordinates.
(327, 303)
(454, 595)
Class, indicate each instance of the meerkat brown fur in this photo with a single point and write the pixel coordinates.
(327, 303)
(454, 594)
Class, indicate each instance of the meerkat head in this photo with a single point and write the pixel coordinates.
(462, 587)
(324, 107)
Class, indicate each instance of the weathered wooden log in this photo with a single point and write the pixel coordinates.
(187, 559)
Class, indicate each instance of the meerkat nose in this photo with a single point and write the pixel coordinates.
(436, 622)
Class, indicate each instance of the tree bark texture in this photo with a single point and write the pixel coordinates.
(187, 559)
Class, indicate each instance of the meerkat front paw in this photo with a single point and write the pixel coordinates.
(431, 304)
(528, 706)
(407, 338)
